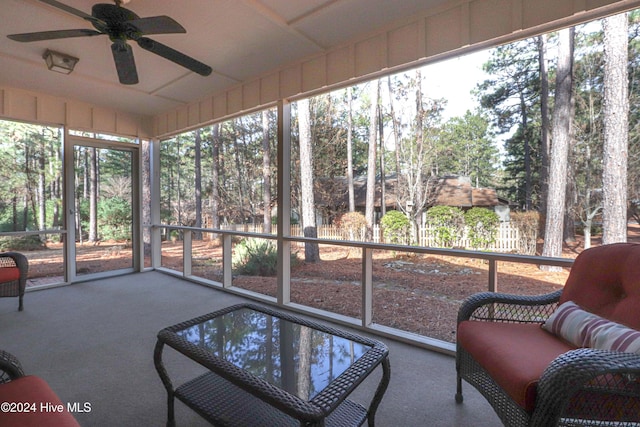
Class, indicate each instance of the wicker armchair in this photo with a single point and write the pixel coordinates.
(499, 336)
(10, 367)
(23, 396)
(14, 268)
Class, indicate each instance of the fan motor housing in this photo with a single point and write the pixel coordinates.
(115, 18)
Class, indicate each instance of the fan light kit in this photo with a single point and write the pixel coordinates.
(120, 25)
(59, 62)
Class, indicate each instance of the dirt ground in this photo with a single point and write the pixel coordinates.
(419, 294)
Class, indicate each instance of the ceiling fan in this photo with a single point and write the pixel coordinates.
(121, 25)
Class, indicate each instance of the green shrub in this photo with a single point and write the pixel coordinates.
(482, 225)
(256, 257)
(114, 218)
(22, 243)
(396, 227)
(352, 226)
(447, 223)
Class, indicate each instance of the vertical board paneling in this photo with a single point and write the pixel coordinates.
(80, 116)
(182, 117)
(442, 32)
(251, 95)
(290, 81)
(129, 125)
(193, 113)
(51, 110)
(104, 121)
(269, 89)
(206, 109)
(220, 105)
(370, 55)
(541, 11)
(489, 19)
(404, 44)
(18, 104)
(24, 105)
(314, 74)
(234, 99)
(340, 65)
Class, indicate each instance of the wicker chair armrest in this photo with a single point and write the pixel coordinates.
(10, 367)
(19, 260)
(500, 307)
(571, 381)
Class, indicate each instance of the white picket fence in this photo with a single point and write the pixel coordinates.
(508, 238)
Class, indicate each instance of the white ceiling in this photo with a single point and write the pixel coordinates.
(239, 39)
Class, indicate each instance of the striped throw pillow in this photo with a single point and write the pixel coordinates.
(584, 329)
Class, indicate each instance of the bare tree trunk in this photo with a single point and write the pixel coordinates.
(85, 174)
(145, 146)
(616, 129)
(571, 200)
(569, 228)
(305, 354)
(544, 114)
(29, 195)
(42, 202)
(178, 181)
(311, 250)
(396, 136)
(559, 149)
(79, 161)
(56, 183)
(527, 155)
(383, 196)
(93, 194)
(266, 173)
(352, 198)
(215, 176)
(371, 164)
(239, 170)
(14, 213)
(198, 183)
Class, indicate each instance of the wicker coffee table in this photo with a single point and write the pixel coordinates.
(268, 368)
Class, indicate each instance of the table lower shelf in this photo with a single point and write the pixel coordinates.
(224, 404)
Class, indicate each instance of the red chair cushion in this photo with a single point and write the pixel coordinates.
(605, 280)
(36, 392)
(8, 274)
(514, 354)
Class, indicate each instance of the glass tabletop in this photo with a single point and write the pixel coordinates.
(296, 358)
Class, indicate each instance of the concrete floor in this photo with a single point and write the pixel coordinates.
(93, 342)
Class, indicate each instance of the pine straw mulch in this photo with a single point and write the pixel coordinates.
(419, 293)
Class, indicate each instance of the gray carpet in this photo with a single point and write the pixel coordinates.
(93, 342)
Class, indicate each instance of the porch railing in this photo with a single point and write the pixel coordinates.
(366, 286)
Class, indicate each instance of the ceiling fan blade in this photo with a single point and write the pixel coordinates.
(51, 35)
(74, 11)
(175, 56)
(125, 64)
(157, 25)
(68, 9)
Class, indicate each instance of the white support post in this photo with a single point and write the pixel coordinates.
(367, 287)
(493, 275)
(227, 265)
(68, 199)
(284, 202)
(156, 233)
(187, 252)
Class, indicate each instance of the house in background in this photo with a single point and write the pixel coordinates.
(457, 191)
(332, 196)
